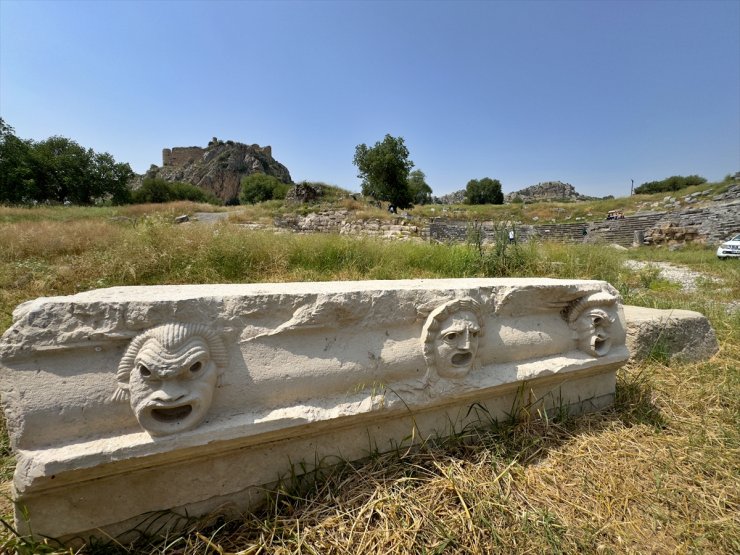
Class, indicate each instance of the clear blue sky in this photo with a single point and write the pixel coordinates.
(590, 93)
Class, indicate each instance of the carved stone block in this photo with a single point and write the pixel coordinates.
(131, 405)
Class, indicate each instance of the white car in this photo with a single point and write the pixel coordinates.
(730, 248)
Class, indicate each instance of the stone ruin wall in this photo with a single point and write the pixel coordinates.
(181, 155)
(342, 222)
(709, 225)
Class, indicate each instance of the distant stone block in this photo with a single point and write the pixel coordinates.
(134, 404)
(674, 334)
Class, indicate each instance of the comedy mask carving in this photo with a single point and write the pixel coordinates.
(169, 375)
(589, 318)
(450, 338)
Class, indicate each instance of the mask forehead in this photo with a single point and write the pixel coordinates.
(153, 353)
(460, 321)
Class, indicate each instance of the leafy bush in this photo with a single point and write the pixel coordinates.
(157, 190)
(152, 190)
(673, 183)
(260, 187)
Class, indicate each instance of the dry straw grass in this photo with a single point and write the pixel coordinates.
(653, 475)
(658, 473)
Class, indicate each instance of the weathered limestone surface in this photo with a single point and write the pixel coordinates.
(677, 334)
(126, 402)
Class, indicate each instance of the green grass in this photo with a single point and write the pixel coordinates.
(657, 473)
(132, 212)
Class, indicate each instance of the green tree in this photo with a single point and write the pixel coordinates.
(58, 169)
(16, 179)
(62, 171)
(112, 178)
(421, 192)
(484, 191)
(384, 169)
(259, 187)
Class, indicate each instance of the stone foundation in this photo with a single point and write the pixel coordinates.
(341, 222)
(131, 405)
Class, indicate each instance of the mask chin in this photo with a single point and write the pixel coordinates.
(454, 371)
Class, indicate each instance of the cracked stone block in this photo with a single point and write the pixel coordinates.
(138, 405)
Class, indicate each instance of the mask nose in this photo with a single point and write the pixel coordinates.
(170, 391)
(465, 340)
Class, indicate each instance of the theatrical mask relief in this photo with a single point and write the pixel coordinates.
(450, 338)
(452, 332)
(590, 318)
(169, 374)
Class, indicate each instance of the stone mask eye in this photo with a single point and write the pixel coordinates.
(452, 336)
(195, 368)
(144, 371)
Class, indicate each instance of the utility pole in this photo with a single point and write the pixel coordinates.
(632, 186)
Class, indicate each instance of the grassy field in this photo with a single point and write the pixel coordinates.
(657, 473)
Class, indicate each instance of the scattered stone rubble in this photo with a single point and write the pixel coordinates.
(733, 193)
(303, 193)
(670, 233)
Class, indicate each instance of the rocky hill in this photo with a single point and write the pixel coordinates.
(219, 167)
(549, 190)
(458, 197)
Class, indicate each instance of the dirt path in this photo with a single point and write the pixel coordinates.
(210, 217)
(687, 278)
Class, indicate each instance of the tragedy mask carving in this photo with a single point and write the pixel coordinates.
(169, 375)
(590, 319)
(451, 337)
